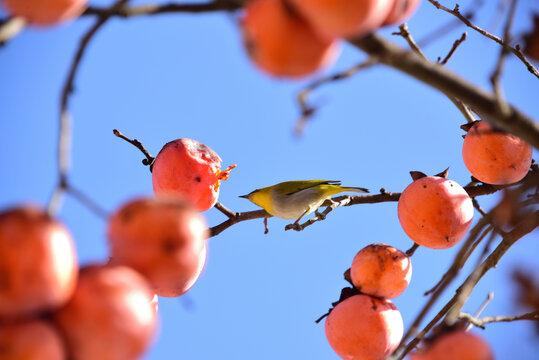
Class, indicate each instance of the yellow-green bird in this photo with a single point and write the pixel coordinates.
(295, 199)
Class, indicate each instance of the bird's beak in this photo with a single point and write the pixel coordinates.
(244, 196)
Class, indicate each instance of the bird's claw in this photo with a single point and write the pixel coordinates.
(319, 215)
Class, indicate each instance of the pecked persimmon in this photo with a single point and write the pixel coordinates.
(344, 18)
(31, 340)
(495, 157)
(457, 344)
(381, 270)
(364, 328)
(38, 268)
(110, 316)
(187, 169)
(281, 43)
(163, 239)
(401, 10)
(435, 212)
(46, 12)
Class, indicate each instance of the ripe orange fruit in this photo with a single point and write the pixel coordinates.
(459, 345)
(435, 212)
(381, 270)
(33, 340)
(189, 170)
(364, 328)
(495, 157)
(401, 11)
(165, 240)
(110, 316)
(46, 12)
(344, 18)
(38, 268)
(281, 43)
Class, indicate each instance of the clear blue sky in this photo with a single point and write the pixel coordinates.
(171, 76)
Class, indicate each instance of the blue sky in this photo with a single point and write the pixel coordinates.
(171, 76)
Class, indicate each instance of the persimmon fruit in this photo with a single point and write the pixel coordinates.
(401, 11)
(163, 239)
(454, 345)
(38, 268)
(435, 212)
(30, 340)
(495, 157)
(110, 316)
(281, 43)
(46, 12)
(381, 270)
(344, 18)
(190, 170)
(364, 328)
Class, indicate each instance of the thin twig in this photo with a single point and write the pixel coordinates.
(65, 134)
(463, 108)
(454, 305)
(527, 225)
(495, 78)
(448, 82)
(481, 322)
(154, 9)
(87, 201)
(307, 111)
(452, 24)
(515, 50)
(455, 46)
(148, 161)
(489, 298)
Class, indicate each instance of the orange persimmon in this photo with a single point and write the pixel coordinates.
(344, 18)
(364, 328)
(455, 345)
(110, 316)
(435, 212)
(495, 157)
(401, 10)
(46, 12)
(381, 270)
(189, 170)
(163, 239)
(38, 269)
(281, 43)
(32, 340)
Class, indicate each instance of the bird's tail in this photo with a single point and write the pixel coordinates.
(354, 189)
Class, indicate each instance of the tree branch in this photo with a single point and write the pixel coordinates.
(481, 101)
(154, 9)
(515, 50)
(481, 322)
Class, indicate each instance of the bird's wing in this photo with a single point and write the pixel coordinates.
(299, 185)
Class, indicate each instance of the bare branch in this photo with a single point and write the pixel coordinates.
(154, 9)
(515, 50)
(527, 225)
(481, 322)
(149, 158)
(455, 46)
(64, 138)
(307, 111)
(463, 108)
(482, 102)
(495, 78)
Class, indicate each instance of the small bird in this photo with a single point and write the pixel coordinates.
(295, 199)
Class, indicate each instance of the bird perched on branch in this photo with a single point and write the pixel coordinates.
(295, 199)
